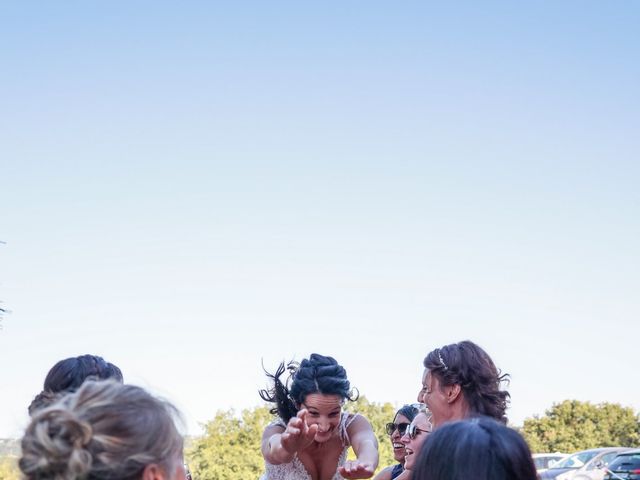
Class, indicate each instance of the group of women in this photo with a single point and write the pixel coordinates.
(87, 424)
(457, 431)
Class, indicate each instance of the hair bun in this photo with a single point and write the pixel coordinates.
(55, 446)
(44, 399)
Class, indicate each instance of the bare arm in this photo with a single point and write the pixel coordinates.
(365, 446)
(384, 474)
(272, 449)
(279, 444)
(364, 441)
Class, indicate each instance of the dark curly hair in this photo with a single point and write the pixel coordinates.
(317, 374)
(468, 365)
(478, 448)
(69, 374)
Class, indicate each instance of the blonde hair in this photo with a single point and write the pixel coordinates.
(103, 430)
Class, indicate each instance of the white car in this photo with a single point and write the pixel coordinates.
(584, 465)
(543, 461)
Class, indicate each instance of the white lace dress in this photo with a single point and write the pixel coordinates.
(295, 470)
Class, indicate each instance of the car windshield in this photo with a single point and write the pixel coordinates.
(546, 462)
(576, 460)
(625, 462)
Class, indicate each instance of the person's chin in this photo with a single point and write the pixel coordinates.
(408, 461)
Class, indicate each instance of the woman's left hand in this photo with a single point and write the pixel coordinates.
(353, 469)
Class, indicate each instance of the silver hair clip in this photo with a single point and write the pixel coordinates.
(441, 360)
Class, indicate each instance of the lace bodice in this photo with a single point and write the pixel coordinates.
(295, 470)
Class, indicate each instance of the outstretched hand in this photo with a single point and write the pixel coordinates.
(353, 469)
(298, 435)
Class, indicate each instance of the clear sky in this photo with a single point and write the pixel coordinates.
(189, 189)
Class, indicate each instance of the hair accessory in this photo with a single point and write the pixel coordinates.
(444, 365)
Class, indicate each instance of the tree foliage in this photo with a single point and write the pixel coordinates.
(230, 446)
(573, 425)
(9, 468)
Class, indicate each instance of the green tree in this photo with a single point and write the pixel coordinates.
(230, 446)
(573, 425)
(9, 468)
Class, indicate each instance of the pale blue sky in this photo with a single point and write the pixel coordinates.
(188, 189)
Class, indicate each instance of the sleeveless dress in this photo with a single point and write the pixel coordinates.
(295, 470)
(396, 470)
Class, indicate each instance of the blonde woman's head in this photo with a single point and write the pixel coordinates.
(104, 430)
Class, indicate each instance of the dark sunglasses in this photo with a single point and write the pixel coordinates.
(391, 427)
(413, 431)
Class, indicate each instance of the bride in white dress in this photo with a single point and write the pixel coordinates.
(310, 438)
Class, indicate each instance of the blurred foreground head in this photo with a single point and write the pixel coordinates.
(68, 374)
(104, 430)
(479, 448)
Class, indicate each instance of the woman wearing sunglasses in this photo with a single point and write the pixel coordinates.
(413, 438)
(310, 438)
(396, 430)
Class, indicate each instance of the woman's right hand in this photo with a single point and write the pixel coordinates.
(298, 435)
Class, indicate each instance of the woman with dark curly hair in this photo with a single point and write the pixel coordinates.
(478, 448)
(310, 438)
(459, 381)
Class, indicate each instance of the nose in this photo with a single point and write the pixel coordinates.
(420, 396)
(323, 426)
(405, 439)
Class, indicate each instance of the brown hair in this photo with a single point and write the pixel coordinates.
(103, 430)
(468, 365)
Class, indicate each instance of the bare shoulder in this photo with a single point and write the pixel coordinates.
(356, 423)
(272, 429)
(384, 474)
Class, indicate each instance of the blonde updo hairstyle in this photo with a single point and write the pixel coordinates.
(104, 430)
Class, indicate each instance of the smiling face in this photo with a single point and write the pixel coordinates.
(324, 411)
(435, 397)
(395, 437)
(412, 446)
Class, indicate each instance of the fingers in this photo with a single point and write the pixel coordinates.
(311, 432)
(302, 415)
(354, 469)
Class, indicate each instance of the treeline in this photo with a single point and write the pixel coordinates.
(572, 425)
(230, 446)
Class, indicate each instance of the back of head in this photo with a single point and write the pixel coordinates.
(478, 448)
(104, 430)
(468, 365)
(68, 374)
(317, 374)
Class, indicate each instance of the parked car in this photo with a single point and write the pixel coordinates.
(625, 466)
(584, 465)
(544, 461)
